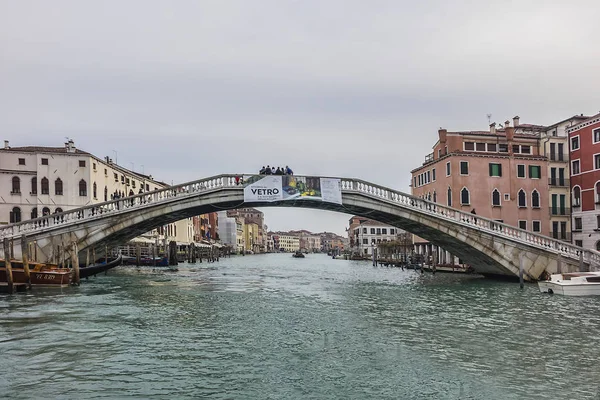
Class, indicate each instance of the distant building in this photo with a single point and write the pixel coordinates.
(252, 215)
(584, 140)
(227, 229)
(289, 243)
(365, 234)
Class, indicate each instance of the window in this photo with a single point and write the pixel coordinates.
(560, 152)
(495, 169)
(523, 224)
(534, 172)
(516, 149)
(597, 221)
(553, 151)
(596, 161)
(480, 146)
(45, 186)
(122, 179)
(469, 146)
(365, 241)
(58, 186)
(34, 185)
(522, 198)
(574, 143)
(596, 135)
(432, 176)
(597, 193)
(496, 198)
(521, 171)
(383, 231)
(44, 161)
(364, 230)
(577, 223)
(133, 182)
(415, 181)
(449, 197)
(15, 215)
(58, 210)
(448, 168)
(503, 148)
(491, 147)
(439, 153)
(372, 231)
(147, 188)
(94, 166)
(506, 197)
(21, 161)
(127, 181)
(16, 185)
(464, 168)
(464, 197)
(535, 199)
(82, 188)
(576, 196)
(525, 149)
(105, 193)
(575, 167)
(537, 226)
(34, 213)
(392, 231)
(82, 163)
(105, 172)
(95, 190)
(116, 177)
(579, 243)
(434, 197)
(445, 149)
(45, 211)
(379, 231)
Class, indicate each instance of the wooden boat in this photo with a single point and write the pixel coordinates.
(99, 267)
(298, 254)
(41, 274)
(146, 261)
(572, 284)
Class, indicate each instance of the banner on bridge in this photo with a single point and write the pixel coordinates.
(289, 187)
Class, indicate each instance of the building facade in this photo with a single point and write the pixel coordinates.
(289, 243)
(584, 148)
(365, 234)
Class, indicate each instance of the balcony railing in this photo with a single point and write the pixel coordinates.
(564, 236)
(558, 157)
(558, 182)
(560, 211)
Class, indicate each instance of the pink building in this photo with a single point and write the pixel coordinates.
(500, 174)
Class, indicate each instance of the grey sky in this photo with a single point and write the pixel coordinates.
(341, 88)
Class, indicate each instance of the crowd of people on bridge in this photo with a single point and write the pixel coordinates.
(268, 170)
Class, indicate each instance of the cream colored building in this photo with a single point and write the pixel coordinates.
(239, 234)
(289, 243)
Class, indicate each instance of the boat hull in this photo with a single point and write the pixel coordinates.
(50, 278)
(585, 289)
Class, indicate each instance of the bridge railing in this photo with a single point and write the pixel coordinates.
(115, 206)
(467, 218)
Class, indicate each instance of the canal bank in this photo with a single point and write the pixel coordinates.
(272, 326)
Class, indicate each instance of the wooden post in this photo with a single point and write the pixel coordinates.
(8, 266)
(25, 256)
(94, 255)
(559, 264)
(154, 247)
(87, 257)
(138, 254)
(35, 257)
(74, 264)
(12, 249)
(106, 254)
(521, 268)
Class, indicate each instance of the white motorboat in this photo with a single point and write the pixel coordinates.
(572, 284)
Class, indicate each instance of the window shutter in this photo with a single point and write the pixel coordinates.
(499, 169)
(491, 171)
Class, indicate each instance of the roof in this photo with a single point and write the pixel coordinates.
(41, 149)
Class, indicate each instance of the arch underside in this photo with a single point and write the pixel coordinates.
(476, 248)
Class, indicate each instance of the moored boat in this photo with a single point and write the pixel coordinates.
(572, 284)
(39, 273)
(97, 268)
(298, 254)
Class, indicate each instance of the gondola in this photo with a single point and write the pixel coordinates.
(97, 268)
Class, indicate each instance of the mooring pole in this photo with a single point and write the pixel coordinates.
(87, 257)
(25, 256)
(521, 268)
(559, 263)
(8, 266)
(75, 263)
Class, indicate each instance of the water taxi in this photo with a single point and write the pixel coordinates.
(572, 284)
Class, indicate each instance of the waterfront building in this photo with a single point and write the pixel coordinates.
(239, 234)
(38, 180)
(289, 243)
(333, 242)
(252, 215)
(499, 174)
(251, 237)
(227, 229)
(584, 147)
(365, 234)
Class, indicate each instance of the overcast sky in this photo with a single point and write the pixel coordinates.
(191, 89)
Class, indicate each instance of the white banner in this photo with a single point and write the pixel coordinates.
(331, 190)
(266, 189)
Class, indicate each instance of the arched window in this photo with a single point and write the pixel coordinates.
(82, 188)
(16, 185)
(58, 210)
(449, 196)
(45, 211)
(522, 198)
(34, 185)
(434, 196)
(105, 193)
(496, 198)
(598, 245)
(15, 215)
(429, 196)
(465, 196)
(45, 186)
(131, 192)
(535, 199)
(95, 189)
(58, 186)
(34, 213)
(576, 196)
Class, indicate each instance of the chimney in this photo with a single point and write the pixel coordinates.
(510, 133)
(516, 121)
(493, 127)
(70, 145)
(442, 133)
(6, 146)
(506, 124)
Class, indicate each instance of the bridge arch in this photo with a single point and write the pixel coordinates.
(493, 248)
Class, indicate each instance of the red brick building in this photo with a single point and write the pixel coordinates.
(584, 150)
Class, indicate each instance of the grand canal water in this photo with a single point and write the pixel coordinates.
(275, 327)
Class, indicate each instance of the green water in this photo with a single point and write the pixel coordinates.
(276, 327)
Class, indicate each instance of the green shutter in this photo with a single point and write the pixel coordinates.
(491, 169)
(499, 169)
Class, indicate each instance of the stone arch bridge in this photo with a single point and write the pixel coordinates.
(492, 248)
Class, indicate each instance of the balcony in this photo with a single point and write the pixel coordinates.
(557, 182)
(559, 157)
(564, 236)
(566, 211)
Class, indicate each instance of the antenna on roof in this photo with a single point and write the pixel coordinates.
(489, 116)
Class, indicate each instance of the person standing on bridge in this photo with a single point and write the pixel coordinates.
(474, 213)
